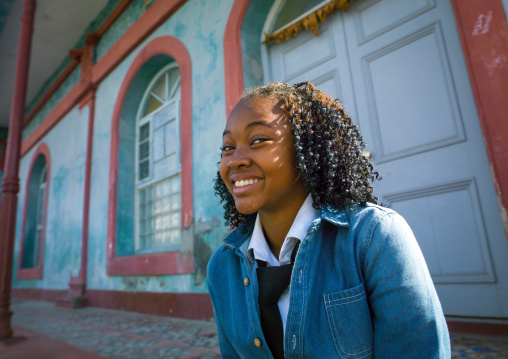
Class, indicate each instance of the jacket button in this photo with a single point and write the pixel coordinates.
(257, 342)
(246, 281)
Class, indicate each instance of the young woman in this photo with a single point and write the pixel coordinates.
(348, 276)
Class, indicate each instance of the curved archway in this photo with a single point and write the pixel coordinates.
(156, 53)
(31, 253)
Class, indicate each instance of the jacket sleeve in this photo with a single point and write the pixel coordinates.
(226, 348)
(407, 318)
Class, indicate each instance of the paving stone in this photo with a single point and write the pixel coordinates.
(126, 335)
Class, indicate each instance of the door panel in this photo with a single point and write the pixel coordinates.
(399, 68)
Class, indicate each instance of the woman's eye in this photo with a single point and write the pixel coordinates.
(227, 148)
(257, 141)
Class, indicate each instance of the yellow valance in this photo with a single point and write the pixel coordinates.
(310, 21)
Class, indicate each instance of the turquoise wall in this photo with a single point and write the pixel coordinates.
(67, 149)
(203, 41)
(200, 26)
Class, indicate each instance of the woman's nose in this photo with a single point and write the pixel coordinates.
(239, 159)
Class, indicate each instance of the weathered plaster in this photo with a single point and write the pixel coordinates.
(59, 94)
(67, 146)
(204, 43)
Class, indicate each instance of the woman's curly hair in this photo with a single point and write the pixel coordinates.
(328, 149)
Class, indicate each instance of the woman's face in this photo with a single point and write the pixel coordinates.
(258, 161)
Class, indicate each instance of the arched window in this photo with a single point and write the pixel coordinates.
(158, 169)
(150, 228)
(32, 237)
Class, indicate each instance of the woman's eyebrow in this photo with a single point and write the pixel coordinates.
(258, 123)
(252, 124)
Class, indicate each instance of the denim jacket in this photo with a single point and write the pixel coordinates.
(360, 288)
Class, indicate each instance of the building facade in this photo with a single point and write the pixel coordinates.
(116, 205)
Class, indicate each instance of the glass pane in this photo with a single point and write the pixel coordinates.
(159, 89)
(292, 10)
(175, 202)
(152, 105)
(174, 81)
(144, 170)
(175, 184)
(175, 220)
(144, 150)
(144, 132)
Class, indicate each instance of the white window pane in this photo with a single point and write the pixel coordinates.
(172, 138)
(175, 220)
(175, 202)
(158, 144)
(164, 116)
(175, 184)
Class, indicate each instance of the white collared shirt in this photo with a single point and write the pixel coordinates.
(259, 250)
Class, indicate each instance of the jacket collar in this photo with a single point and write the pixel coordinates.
(334, 215)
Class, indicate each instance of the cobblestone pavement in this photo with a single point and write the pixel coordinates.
(119, 334)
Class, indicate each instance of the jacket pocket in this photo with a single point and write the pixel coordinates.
(350, 322)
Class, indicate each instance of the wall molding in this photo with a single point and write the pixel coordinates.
(196, 306)
(154, 16)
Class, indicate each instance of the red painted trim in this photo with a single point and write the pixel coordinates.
(140, 30)
(233, 66)
(168, 262)
(483, 33)
(197, 306)
(35, 273)
(115, 14)
(477, 328)
(51, 91)
(10, 181)
(156, 14)
(120, 8)
(64, 106)
(90, 101)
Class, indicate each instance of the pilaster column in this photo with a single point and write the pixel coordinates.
(10, 186)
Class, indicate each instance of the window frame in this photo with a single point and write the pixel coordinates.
(35, 272)
(158, 263)
(174, 96)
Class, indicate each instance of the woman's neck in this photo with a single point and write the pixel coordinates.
(277, 225)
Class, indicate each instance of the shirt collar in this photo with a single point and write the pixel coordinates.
(258, 247)
(334, 215)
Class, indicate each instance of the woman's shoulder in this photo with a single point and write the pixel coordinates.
(375, 220)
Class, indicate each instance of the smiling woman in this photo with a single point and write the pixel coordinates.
(315, 267)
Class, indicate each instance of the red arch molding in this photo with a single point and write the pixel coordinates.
(35, 273)
(166, 262)
(233, 67)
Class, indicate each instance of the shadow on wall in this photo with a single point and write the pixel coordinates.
(209, 230)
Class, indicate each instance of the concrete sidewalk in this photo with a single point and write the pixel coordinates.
(88, 333)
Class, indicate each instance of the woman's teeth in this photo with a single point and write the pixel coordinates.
(244, 183)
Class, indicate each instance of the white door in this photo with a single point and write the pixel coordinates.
(398, 67)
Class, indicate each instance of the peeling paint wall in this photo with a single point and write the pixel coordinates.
(203, 41)
(200, 26)
(62, 248)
